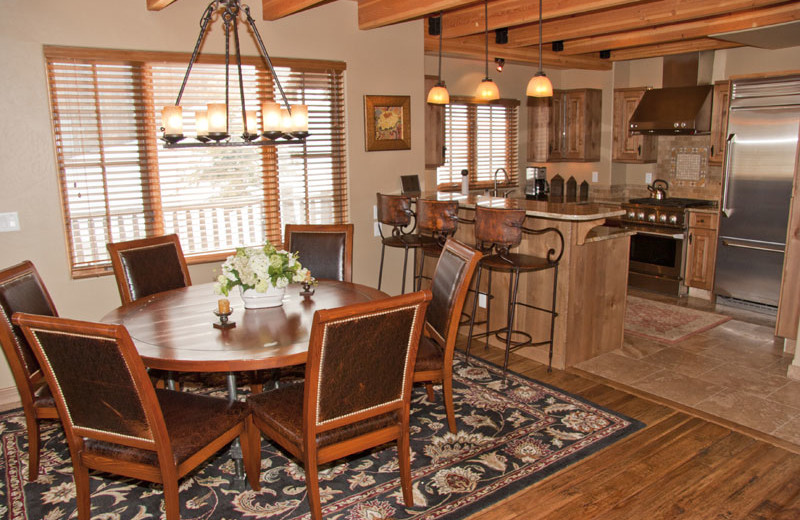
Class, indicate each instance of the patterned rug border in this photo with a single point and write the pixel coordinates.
(512, 480)
(722, 319)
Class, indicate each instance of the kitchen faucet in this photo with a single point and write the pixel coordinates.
(505, 175)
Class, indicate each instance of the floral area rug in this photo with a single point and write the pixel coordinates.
(511, 434)
(667, 323)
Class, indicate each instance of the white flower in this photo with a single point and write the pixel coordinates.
(259, 268)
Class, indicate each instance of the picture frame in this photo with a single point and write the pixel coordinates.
(387, 122)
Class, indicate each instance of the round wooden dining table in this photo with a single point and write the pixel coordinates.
(173, 330)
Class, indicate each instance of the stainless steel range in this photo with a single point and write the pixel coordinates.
(657, 249)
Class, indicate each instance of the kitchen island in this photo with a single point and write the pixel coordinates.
(592, 277)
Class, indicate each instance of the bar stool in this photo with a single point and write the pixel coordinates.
(496, 232)
(395, 211)
(436, 219)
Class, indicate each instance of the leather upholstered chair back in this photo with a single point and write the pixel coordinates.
(115, 420)
(326, 250)
(451, 280)
(437, 217)
(147, 266)
(22, 290)
(394, 210)
(499, 227)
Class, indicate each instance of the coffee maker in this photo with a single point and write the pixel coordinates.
(536, 187)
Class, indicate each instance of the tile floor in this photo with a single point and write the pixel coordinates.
(735, 371)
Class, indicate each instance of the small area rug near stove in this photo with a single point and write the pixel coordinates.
(509, 437)
(667, 323)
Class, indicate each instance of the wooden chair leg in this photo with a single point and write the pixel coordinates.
(172, 505)
(250, 440)
(404, 461)
(429, 388)
(83, 493)
(447, 390)
(312, 488)
(33, 446)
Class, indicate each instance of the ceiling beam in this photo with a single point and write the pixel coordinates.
(665, 49)
(469, 20)
(474, 48)
(276, 9)
(157, 5)
(687, 30)
(628, 18)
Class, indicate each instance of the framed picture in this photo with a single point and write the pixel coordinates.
(388, 122)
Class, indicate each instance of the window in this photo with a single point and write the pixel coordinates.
(479, 138)
(119, 183)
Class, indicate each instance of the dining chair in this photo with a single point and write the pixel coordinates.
(324, 249)
(451, 279)
(22, 290)
(149, 265)
(115, 421)
(357, 389)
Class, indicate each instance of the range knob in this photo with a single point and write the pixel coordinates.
(673, 219)
(662, 218)
(631, 214)
(640, 215)
(651, 217)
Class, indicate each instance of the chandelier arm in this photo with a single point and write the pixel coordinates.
(252, 23)
(204, 20)
(241, 82)
(227, 22)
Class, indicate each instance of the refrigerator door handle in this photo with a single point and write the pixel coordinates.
(727, 175)
(778, 248)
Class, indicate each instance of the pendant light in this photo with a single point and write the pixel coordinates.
(539, 85)
(487, 90)
(438, 95)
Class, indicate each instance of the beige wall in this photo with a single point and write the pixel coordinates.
(386, 61)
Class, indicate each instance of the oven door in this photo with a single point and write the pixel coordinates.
(656, 260)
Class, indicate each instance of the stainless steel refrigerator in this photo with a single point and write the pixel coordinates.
(761, 154)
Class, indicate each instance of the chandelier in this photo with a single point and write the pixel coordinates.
(280, 125)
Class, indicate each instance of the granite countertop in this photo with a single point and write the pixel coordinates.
(577, 211)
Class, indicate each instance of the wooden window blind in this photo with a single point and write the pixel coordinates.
(119, 183)
(479, 137)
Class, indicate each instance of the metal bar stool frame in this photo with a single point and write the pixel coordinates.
(395, 211)
(499, 258)
(438, 220)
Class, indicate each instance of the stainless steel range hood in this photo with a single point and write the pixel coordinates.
(683, 107)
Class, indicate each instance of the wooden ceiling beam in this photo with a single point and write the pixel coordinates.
(628, 18)
(473, 48)
(666, 49)
(378, 13)
(157, 5)
(276, 9)
(687, 30)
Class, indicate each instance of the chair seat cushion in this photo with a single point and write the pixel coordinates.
(430, 356)
(514, 261)
(192, 421)
(410, 240)
(282, 409)
(42, 398)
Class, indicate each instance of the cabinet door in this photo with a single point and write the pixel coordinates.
(434, 129)
(575, 123)
(557, 136)
(539, 129)
(700, 258)
(629, 147)
(719, 121)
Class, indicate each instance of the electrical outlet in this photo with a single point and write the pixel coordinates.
(648, 178)
(377, 230)
(595, 177)
(9, 221)
(482, 300)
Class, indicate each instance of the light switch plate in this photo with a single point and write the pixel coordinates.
(377, 230)
(648, 178)
(9, 221)
(595, 177)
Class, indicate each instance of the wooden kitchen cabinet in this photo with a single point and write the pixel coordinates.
(629, 147)
(434, 129)
(719, 121)
(701, 250)
(571, 120)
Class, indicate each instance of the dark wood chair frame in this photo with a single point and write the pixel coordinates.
(37, 401)
(346, 229)
(446, 339)
(117, 249)
(437, 219)
(167, 471)
(308, 451)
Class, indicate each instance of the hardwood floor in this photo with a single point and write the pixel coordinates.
(679, 466)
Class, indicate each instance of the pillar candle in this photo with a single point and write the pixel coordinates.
(224, 306)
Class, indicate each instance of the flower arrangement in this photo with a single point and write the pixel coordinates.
(258, 268)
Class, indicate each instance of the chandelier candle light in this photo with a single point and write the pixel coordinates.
(280, 126)
(487, 89)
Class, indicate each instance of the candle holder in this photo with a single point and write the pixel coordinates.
(223, 320)
(308, 290)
